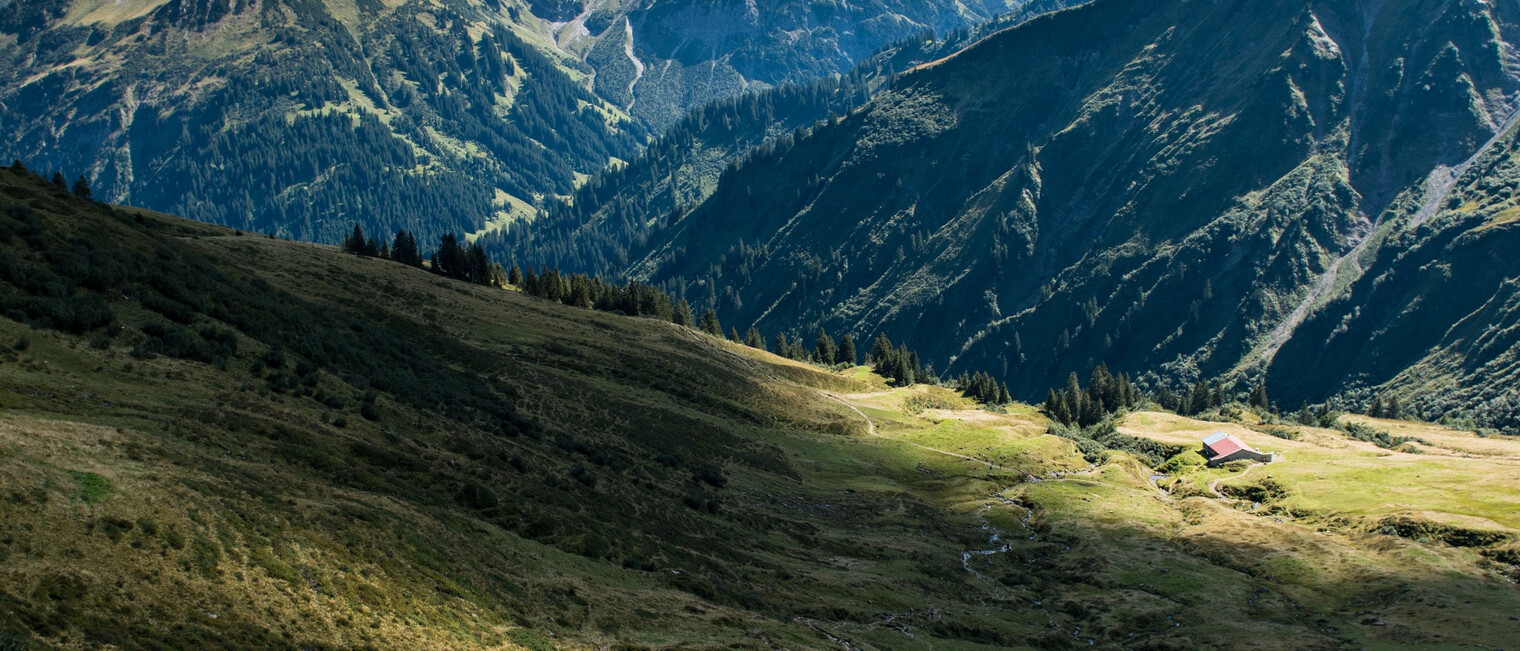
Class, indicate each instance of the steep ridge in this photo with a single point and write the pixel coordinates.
(1434, 314)
(658, 60)
(613, 215)
(1158, 187)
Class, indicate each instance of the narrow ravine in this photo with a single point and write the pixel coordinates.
(638, 66)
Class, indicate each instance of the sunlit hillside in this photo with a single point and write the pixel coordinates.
(217, 439)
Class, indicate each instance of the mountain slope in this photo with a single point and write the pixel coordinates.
(219, 440)
(613, 214)
(1162, 187)
(658, 60)
(301, 117)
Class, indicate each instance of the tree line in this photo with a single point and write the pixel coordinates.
(467, 262)
(1104, 396)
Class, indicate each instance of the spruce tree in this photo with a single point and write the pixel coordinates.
(753, 339)
(404, 249)
(354, 243)
(1074, 395)
(59, 181)
(515, 276)
(1101, 389)
(824, 350)
(781, 344)
(709, 323)
(82, 187)
(733, 334)
(580, 294)
(1056, 408)
(1003, 397)
(1259, 396)
(881, 349)
(449, 261)
(681, 315)
(846, 354)
(478, 266)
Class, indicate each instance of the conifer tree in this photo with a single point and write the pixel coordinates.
(733, 334)
(59, 181)
(782, 345)
(478, 266)
(82, 187)
(515, 276)
(846, 354)
(1056, 408)
(1074, 397)
(449, 260)
(356, 243)
(881, 349)
(1102, 390)
(1003, 397)
(753, 339)
(405, 250)
(1259, 396)
(580, 293)
(681, 316)
(824, 350)
(709, 323)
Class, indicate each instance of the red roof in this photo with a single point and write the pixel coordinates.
(1227, 446)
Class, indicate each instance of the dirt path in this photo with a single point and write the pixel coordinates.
(871, 431)
(1214, 485)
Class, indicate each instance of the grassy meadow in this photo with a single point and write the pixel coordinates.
(266, 444)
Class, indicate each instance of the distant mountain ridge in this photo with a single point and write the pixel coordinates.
(658, 59)
(1171, 187)
(299, 116)
(302, 117)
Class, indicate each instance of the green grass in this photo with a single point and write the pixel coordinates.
(92, 487)
(430, 527)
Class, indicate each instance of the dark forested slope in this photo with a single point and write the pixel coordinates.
(298, 116)
(1167, 187)
(304, 116)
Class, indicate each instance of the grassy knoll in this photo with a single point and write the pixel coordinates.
(264, 444)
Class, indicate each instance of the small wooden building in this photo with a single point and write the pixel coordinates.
(1220, 448)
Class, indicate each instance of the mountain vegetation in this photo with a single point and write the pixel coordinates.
(299, 117)
(614, 213)
(213, 438)
(1258, 194)
(659, 60)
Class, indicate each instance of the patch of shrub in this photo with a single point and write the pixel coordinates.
(710, 475)
(530, 640)
(585, 477)
(115, 528)
(1425, 531)
(1380, 438)
(1280, 432)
